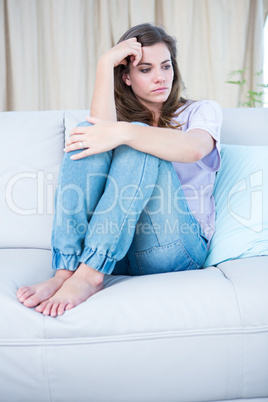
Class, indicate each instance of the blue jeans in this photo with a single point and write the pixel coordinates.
(124, 212)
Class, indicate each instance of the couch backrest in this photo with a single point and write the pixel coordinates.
(31, 151)
(241, 126)
(245, 126)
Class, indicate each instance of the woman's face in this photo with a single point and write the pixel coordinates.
(151, 80)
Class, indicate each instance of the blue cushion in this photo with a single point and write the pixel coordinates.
(241, 197)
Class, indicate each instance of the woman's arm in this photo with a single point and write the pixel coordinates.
(103, 104)
(165, 143)
(169, 144)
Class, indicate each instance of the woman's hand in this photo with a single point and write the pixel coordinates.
(95, 139)
(119, 53)
(103, 103)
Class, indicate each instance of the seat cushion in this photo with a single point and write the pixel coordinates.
(180, 328)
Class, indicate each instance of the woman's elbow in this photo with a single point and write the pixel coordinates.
(198, 154)
(203, 149)
(201, 145)
(195, 153)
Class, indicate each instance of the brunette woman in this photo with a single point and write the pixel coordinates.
(135, 194)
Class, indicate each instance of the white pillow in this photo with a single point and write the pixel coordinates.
(241, 197)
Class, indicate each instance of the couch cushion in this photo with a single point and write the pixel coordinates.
(249, 278)
(241, 197)
(175, 326)
(188, 306)
(72, 118)
(31, 152)
(245, 126)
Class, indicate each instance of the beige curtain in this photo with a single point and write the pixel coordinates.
(265, 8)
(49, 48)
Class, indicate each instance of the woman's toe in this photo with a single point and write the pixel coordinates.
(31, 301)
(47, 308)
(61, 308)
(40, 308)
(69, 306)
(24, 293)
(21, 291)
(54, 309)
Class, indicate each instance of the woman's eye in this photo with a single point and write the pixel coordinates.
(145, 70)
(167, 67)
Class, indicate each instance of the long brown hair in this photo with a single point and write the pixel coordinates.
(128, 107)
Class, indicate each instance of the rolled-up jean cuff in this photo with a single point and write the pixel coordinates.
(69, 262)
(100, 262)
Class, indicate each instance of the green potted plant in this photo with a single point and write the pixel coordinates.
(253, 97)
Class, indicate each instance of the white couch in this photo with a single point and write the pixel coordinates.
(177, 337)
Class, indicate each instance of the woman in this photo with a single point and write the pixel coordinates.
(133, 198)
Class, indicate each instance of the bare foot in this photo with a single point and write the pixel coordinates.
(84, 283)
(31, 296)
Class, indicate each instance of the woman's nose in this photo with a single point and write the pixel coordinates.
(159, 76)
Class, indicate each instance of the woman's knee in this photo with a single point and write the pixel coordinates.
(128, 156)
(84, 124)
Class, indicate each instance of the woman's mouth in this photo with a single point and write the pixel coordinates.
(160, 90)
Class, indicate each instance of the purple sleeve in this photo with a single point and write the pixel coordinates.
(207, 115)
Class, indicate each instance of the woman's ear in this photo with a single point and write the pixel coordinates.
(126, 79)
